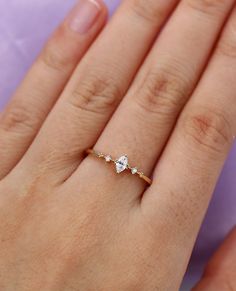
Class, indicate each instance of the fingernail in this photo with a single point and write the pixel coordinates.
(84, 15)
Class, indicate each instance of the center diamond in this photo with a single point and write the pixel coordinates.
(121, 164)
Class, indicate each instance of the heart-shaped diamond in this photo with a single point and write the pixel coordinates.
(121, 164)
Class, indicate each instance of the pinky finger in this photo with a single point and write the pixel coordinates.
(35, 97)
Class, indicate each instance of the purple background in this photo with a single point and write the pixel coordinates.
(24, 27)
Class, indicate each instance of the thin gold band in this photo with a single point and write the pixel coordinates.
(120, 163)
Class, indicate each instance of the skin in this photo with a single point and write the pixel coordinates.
(165, 96)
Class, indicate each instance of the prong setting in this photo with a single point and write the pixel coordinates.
(134, 171)
(108, 159)
(121, 164)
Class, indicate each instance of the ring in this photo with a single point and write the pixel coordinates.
(121, 164)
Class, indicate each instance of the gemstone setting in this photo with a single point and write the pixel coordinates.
(108, 159)
(134, 171)
(122, 164)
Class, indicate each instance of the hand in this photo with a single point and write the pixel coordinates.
(166, 98)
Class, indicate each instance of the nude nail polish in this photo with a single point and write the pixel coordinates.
(84, 15)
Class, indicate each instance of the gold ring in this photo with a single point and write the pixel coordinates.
(121, 164)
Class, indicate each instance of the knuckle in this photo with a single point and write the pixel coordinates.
(18, 119)
(227, 44)
(207, 128)
(207, 6)
(58, 52)
(227, 47)
(96, 94)
(149, 10)
(163, 92)
(53, 59)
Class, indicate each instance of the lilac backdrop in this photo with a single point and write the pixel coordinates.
(24, 27)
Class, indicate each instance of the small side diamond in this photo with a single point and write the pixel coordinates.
(134, 171)
(108, 159)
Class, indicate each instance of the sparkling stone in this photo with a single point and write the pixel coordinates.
(108, 158)
(134, 171)
(121, 164)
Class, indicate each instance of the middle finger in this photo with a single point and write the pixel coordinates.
(98, 84)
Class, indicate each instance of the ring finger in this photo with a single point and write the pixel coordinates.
(144, 120)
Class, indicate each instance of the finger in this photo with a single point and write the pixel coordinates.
(192, 161)
(43, 84)
(143, 122)
(98, 84)
(220, 271)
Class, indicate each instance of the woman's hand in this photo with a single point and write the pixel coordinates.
(69, 222)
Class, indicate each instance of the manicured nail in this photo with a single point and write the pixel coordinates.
(84, 15)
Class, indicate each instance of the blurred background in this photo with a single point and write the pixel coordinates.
(24, 27)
